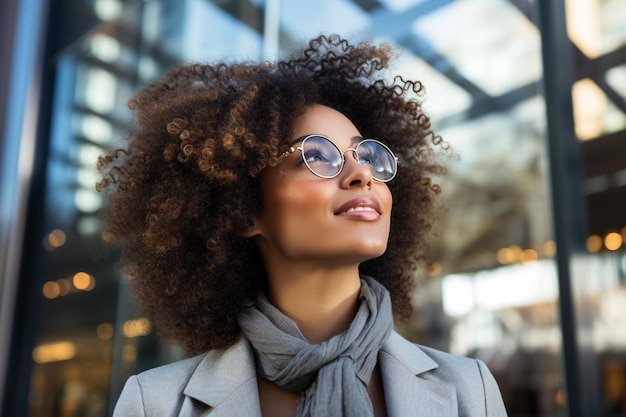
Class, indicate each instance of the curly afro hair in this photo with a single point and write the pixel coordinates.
(186, 186)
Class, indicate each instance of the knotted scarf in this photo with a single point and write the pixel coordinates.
(332, 375)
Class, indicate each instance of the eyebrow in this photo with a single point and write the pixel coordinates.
(354, 139)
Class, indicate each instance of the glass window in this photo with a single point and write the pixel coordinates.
(493, 294)
(599, 37)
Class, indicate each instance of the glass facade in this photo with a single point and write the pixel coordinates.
(496, 292)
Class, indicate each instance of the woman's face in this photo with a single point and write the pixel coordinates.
(344, 219)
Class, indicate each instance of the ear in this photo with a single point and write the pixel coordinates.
(253, 230)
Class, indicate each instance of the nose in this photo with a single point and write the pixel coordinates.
(353, 173)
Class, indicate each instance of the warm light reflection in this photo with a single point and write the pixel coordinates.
(104, 331)
(51, 290)
(54, 352)
(56, 238)
(583, 25)
(516, 251)
(549, 248)
(509, 255)
(83, 281)
(594, 243)
(559, 397)
(528, 255)
(613, 241)
(435, 269)
(505, 256)
(589, 103)
(137, 327)
(80, 281)
(92, 283)
(514, 254)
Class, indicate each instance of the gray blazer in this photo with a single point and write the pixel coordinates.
(418, 381)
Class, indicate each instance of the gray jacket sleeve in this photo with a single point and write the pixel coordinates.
(494, 406)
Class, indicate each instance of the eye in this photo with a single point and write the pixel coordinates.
(367, 157)
(316, 155)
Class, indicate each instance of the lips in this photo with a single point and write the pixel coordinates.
(361, 205)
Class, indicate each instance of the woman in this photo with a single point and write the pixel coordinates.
(254, 209)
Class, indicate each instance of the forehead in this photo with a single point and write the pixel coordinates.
(323, 120)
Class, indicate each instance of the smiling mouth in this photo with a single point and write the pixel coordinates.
(360, 208)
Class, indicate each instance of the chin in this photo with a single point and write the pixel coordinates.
(372, 251)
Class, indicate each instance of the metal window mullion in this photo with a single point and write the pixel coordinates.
(565, 182)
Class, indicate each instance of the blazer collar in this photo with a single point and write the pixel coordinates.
(225, 381)
(410, 386)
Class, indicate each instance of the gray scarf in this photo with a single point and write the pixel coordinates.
(332, 375)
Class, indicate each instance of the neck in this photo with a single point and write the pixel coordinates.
(322, 302)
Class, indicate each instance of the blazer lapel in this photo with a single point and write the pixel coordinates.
(224, 385)
(410, 387)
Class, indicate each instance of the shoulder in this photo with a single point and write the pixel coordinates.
(453, 366)
(475, 385)
(178, 373)
(459, 369)
(467, 379)
(420, 359)
(156, 387)
(181, 387)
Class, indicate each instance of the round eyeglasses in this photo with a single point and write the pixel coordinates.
(324, 159)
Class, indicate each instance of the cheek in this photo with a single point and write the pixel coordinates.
(296, 204)
(289, 202)
(295, 222)
(387, 198)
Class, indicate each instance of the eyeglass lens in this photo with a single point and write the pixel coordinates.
(325, 160)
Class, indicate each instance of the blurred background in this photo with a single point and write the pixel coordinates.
(531, 255)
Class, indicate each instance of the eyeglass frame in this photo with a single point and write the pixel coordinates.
(302, 139)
